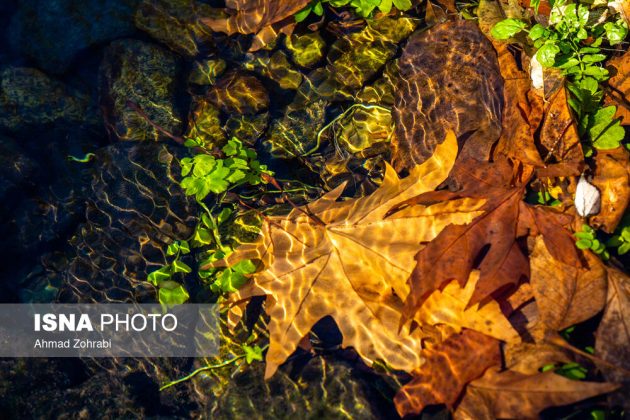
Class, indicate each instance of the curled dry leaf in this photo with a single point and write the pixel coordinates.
(265, 18)
(528, 358)
(612, 179)
(449, 366)
(350, 260)
(566, 295)
(512, 394)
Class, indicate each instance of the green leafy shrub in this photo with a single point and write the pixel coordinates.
(572, 42)
(587, 239)
(363, 8)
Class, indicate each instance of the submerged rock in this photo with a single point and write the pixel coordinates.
(277, 68)
(306, 50)
(54, 32)
(449, 78)
(247, 128)
(237, 92)
(204, 124)
(31, 99)
(205, 72)
(145, 74)
(324, 387)
(135, 207)
(296, 133)
(175, 24)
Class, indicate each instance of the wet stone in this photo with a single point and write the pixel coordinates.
(296, 133)
(54, 32)
(277, 68)
(205, 72)
(306, 50)
(134, 208)
(30, 99)
(247, 128)
(382, 90)
(175, 24)
(145, 74)
(205, 124)
(237, 92)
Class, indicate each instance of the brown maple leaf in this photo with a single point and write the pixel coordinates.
(493, 241)
(351, 260)
(512, 394)
(619, 86)
(265, 18)
(449, 366)
(612, 179)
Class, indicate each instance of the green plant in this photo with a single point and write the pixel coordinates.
(202, 174)
(363, 8)
(572, 42)
(573, 371)
(587, 239)
(621, 237)
(205, 173)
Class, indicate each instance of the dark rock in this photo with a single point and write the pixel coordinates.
(145, 74)
(175, 23)
(236, 92)
(30, 99)
(134, 209)
(324, 387)
(16, 167)
(205, 72)
(54, 32)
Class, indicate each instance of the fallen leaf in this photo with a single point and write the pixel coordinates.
(449, 306)
(492, 242)
(612, 179)
(613, 334)
(512, 394)
(559, 136)
(350, 260)
(619, 84)
(449, 366)
(265, 18)
(528, 358)
(566, 295)
(449, 79)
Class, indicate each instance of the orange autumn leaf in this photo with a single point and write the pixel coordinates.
(449, 366)
(350, 260)
(612, 179)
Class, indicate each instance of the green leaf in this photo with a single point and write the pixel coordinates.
(616, 32)
(623, 248)
(593, 58)
(252, 353)
(507, 28)
(546, 54)
(184, 246)
(385, 6)
(159, 275)
(537, 31)
(244, 267)
(318, 9)
(224, 215)
(186, 164)
(236, 176)
(203, 236)
(403, 5)
(204, 164)
(172, 293)
(604, 131)
(583, 244)
(599, 73)
(303, 14)
(172, 248)
(181, 267)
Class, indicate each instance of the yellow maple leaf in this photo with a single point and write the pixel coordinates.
(350, 260)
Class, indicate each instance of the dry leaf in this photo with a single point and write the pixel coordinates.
(448, 368)
(613, 333)
(619, 84)
(528, 358)
(350, 260)
(265, 18)
(449, 306)
(612, 179)
(512, 394)
(566, 295)
(559, 134)
(491, 242)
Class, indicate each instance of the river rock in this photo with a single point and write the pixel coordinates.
(145, 74)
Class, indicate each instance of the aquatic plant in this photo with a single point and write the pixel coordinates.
(363, 8)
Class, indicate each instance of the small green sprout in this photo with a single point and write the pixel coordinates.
(587, 239)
